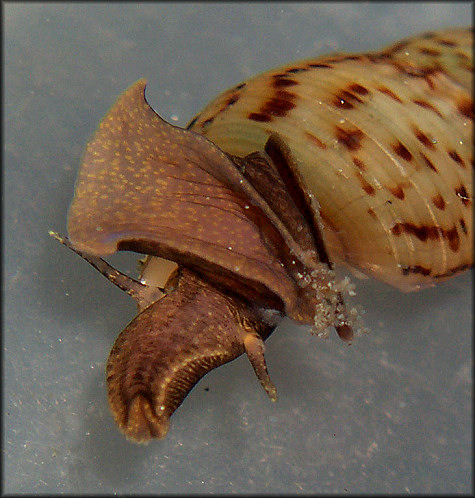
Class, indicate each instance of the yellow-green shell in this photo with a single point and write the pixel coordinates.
(383, 141)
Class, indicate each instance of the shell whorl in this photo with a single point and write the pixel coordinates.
(384, 142)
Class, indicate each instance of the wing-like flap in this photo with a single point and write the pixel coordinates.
(155, 188)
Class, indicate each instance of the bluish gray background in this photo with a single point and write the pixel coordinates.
(391, 413)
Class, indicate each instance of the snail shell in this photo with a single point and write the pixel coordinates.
(384, 142)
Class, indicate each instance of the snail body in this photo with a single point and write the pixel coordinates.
(383, 141)
(364, 159)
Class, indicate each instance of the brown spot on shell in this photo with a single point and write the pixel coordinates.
(342, 103)
(462, 56)
(393, 49)
(397, 191)
(295, 70)
(353, 57)
(315, 65)
(413, 71)
(349, 97)
(463, 226)
(233, 97)
(278, 105)
(438, 202)
(426, 272)
(423, 232)
(461, 192)
(429, 51)
(193, 121)
(455, 157)
(446, 43)
(315, 140)
(425, 105)
(402, 151)
(428, 162)
(428, 232)
(465, 107)
(377, 57)
(357, 88)
(371, 212)
(367, 187)
(260, 117)
(423, 138)
(389, 93)
(208, 121)
(347, 57)
(231, 101)
(359, 164)
(453, 271)
(351, 139)
(421, 270)
(280, 82)
(453, 238)
(281, 103)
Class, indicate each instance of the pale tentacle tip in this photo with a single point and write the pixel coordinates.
(254, 346)
(56, 236)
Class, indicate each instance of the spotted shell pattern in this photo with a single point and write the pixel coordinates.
(383, 141)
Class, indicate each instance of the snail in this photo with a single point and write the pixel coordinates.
(358, 159)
